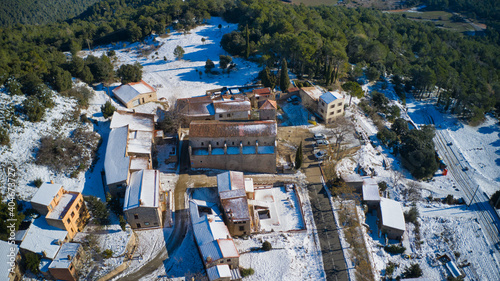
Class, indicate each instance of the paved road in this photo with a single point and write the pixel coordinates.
(331, 249)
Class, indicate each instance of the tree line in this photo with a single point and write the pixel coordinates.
(319, 41)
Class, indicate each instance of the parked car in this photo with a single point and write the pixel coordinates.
(295, 100)
(319, 137)
(321, 142)
(320, 154)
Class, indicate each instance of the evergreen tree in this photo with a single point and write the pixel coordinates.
(284, 79)
(247, 41)
(179, 52)
(209, 65)
(299, 157)
(107, 109)
(267, 79)
(130, 73)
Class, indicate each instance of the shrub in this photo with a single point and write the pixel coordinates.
(412, 215)
(107, 109)
(108, 253)
(38, 182)
(246, 271)
(33, 109)
(13, 87)
(32, 261)
(394, 249)
(130, 73)
(389, 270)
(413, 271)
(209, 65)
(82, 95)
(4, 136)
(123, 222)
(266, 246)
(382, 185)
(179, 52)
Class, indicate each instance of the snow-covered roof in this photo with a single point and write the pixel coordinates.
(129, 91)
(230, 180)
(352, 178)
(60, 210)
(331, 97)
(312, 92)
(196, 106)
(116, 164)
(232, 106)
(392, 214)
(5, 249)
(218, 271)
(42, 237)
(211, 234)
(139, 163)
(46, 193)
(249, 185)
(370, 193)
(212, 128)
(135, 121)
(67, 250)
(143, 190)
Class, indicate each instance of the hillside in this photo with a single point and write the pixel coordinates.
(40, 11)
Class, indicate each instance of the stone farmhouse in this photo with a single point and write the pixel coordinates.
(134, 94)
(67, 261)
(243, 146)
(129, 148)
(233, 199)
(144, 200)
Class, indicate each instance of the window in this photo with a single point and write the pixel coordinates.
(72, 214)
(228, 115)
(332, 106)
(220, 115)
(77, 207)
(333, 112)
(68, 220)
(146, 223)
(248, 143)
(155, 223)
(71, 267)
(233, 142)
(241, 228)
(72, 230)
(228, 260)
(50, 207)
(136, 216)
(202, 144)
(138, 225)
(57, 195)
(340, 110)
(217, 143)
(321, 110)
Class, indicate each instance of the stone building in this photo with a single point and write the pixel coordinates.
(267, 110)
(233, 199)
(142, 205)
(243, 146)
(134, 94)
(66, 263)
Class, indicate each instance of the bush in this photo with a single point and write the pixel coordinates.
(32, 261)
(82, 95)
(246, 271)
(266, 246)
(413, 271)
(107, 109)
(33, 109)
(179, 52)
(382, 185)
(108, 253)
(412, 215)
(123, 222)
(13, 87)
(4, 136)
(38, 182)
(394, 249)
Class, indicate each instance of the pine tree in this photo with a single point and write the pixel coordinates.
(284, 79)
(247, 54)
(299, 157)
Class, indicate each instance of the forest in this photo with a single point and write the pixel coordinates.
(40, 11)
(317, 42)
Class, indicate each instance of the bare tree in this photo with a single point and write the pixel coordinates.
(340, 129)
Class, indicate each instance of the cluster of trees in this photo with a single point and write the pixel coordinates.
(319, 41)
(415, 146)
(40, 11)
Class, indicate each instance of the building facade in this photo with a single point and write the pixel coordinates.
(66, 263)
(243, 146)
(331, 106)
(233, 199)
(142, 206)
(62, 209)
(134, 94)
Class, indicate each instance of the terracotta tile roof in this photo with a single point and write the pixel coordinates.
(262, 91)
(212, 128)
(232, 106)
(196, 106)
(268, 104)
(294, 89)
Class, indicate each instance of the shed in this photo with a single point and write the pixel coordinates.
(392, 218)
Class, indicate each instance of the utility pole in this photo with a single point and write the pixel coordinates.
(474, 195)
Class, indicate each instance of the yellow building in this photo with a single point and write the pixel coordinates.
(62, 209)
(331, 106)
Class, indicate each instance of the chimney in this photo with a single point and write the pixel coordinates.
(51, 182)
(140, 202)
